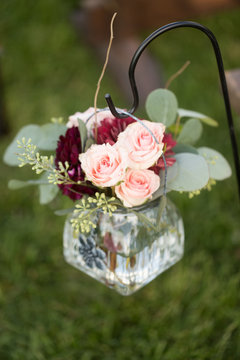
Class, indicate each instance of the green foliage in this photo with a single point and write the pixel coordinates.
(47, 192)
(15, 184)
(191, 132)
(43, 165)
(192, 174)
(27, 132)
(183, 148)
(171, 174)
(83, 132)
(219, 168)
(44, 137)
(85, 211)
(161, 106)
(88, 144)
(194, 114)
(48, 136)
(28, 155)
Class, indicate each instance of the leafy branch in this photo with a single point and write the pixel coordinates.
(40, 163)
(88, 207)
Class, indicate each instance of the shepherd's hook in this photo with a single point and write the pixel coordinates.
(131, 74)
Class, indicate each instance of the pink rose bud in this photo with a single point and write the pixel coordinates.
(104, 165)
(138, 187)
(143, 150)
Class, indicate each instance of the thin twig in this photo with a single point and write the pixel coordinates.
(102, 73)
(179, 72)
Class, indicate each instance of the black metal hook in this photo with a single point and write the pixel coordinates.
(131, 74)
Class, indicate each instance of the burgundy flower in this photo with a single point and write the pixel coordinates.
(109, 129)
(68, 149)
(170, 143)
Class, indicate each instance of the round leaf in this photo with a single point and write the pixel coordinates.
(47, 193)
(161, 106)
(191, 132)
(172, 172)
(192, 174)
(30, 131)
(219, 168)
(194, 114)
(48, 136)
(183, 148)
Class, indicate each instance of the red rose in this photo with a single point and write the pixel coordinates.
(170, 143)
(109, 129)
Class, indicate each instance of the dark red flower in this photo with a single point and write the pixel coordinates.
(169, 144)
(109, 129)
(68, 149)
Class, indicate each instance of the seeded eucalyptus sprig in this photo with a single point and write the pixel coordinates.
(40, 163)
(87, 209)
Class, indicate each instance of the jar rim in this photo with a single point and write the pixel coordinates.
(137, 208)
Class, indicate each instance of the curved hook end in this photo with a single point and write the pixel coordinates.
(113, 108)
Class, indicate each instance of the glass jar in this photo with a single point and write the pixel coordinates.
(124, 252)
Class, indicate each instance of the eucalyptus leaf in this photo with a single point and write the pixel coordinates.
(172, 172)
(45, 137)
(161, 106)
(47, 193)
(49, 135)
(219, 168)
(194, 114)
(89, 143)
(30, 131)
(18, 184)
(193, 173)
(64, 211)
(83, 132)
(191, 132)
(183, 148)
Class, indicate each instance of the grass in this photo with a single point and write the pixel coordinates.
(49, 310)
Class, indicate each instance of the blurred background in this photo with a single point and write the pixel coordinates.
(51, 57)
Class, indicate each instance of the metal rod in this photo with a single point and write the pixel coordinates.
(131, 73)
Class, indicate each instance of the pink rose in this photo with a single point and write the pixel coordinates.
(138, 187)
(104, 165)
(84, 116)
(143, 151)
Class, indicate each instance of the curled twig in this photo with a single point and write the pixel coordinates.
(179, 72)
(102, 73)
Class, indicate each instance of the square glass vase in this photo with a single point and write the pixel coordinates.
(124, 251)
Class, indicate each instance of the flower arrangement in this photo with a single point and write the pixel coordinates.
(104, 163)
(122, 229)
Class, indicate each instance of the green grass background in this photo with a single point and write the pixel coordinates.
(49, 310)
